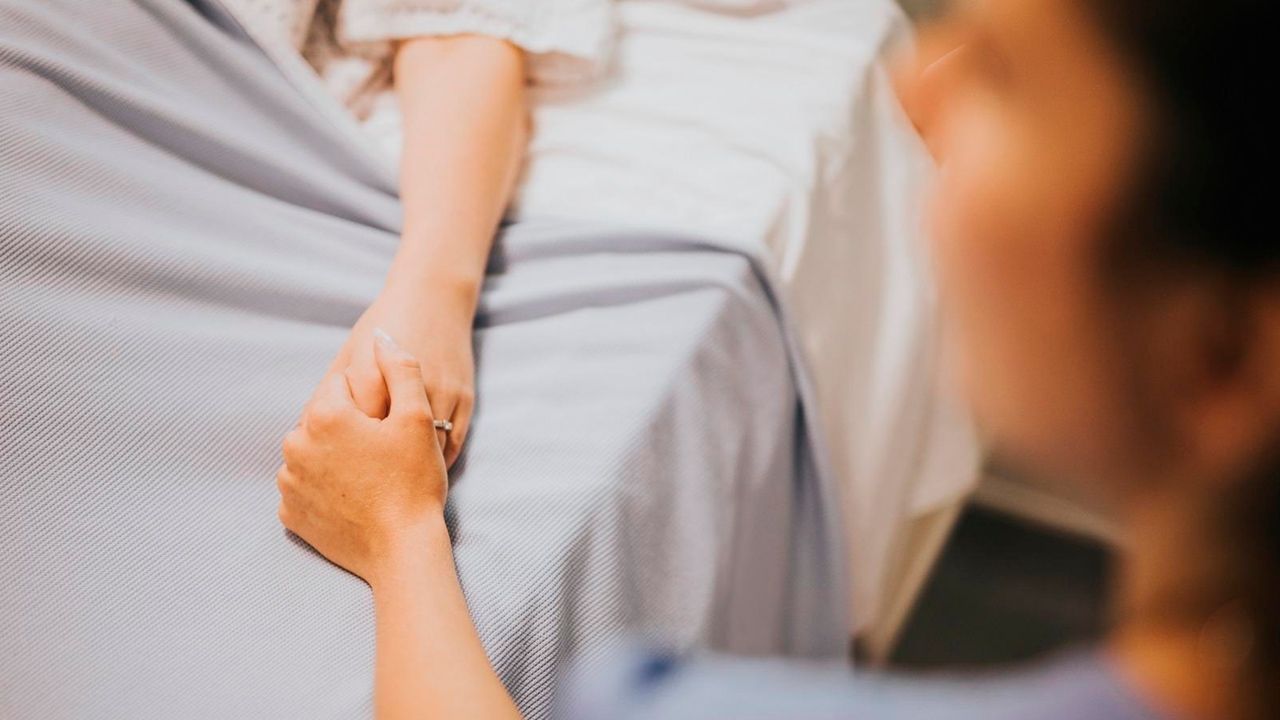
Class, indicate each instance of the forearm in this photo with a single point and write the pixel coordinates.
(430, 662)
(465, 126)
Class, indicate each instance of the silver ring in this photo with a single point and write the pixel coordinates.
(445, 425)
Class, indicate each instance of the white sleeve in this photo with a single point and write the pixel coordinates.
(566, 40)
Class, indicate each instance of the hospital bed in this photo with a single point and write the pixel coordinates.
(613, 487)
(771, 126)
(186, 238)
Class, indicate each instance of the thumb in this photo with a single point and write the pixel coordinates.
(403, 375)
(333, 391)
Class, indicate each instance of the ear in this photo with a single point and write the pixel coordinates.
(1228, 407)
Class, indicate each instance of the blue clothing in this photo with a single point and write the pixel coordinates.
(635, 685)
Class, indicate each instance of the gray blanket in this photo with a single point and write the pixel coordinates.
(185, 239)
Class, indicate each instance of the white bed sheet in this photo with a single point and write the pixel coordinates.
(775, 127)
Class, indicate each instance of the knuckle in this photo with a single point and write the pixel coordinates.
(323, 416)
(419, 418)
(416, 419)
(292, 445)
(409, 362)
(286, 482)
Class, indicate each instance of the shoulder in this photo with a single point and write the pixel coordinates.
(637, 684)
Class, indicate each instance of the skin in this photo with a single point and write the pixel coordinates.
(463, 104)
(1037, 125)
(385, 523)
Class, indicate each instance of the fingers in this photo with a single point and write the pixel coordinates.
(331, 403)
(443, 406)
(292, 448)
(461, 418)
(342, 359)
(924, 82)
(453, 402)
(403, 377)
(288, 511)
(368, 389)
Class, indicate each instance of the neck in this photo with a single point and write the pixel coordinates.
(1179, 640)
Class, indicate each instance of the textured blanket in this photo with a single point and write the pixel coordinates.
(185, 239)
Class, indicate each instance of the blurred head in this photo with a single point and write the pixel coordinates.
(1113, 296)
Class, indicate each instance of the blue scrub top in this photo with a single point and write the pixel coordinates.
(633, 684)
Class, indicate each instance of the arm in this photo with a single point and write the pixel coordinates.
(430, 663)
(465, 126)
(369, 495)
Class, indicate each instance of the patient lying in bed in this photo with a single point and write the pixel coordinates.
(458, 74)
(766, 125)
(188, 240)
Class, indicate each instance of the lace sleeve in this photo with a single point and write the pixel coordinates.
(566, 40)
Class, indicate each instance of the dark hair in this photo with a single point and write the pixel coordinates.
(1201, 61)
(1198, 203)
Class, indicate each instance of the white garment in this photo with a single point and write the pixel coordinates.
(350, 42)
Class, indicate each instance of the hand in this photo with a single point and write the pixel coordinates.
(923, 80)
(358, 489)
(434, 327)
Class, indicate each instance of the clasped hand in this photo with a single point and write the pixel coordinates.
(357, 488)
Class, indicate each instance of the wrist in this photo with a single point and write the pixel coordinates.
(410, 551)
(451, 289)
(439, 258)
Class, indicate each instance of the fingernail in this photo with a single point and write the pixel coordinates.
(389, 343)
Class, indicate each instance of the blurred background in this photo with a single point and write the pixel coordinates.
(1023, 573)
(922, 8)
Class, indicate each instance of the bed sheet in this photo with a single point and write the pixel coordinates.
(184, 242)
(772, 126)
